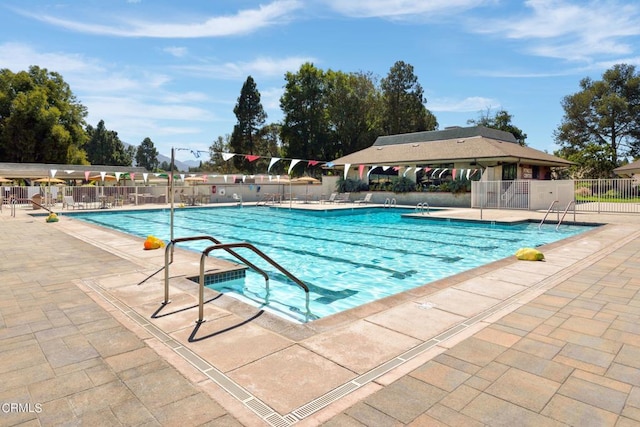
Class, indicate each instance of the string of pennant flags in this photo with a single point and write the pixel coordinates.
(462, 173)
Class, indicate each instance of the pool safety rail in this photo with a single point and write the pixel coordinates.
(420, 207)
(560, 219)
(390, 203)
(167, 261)
(229, 248)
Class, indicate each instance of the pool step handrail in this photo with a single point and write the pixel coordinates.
(390, 203)
(421, 206)
(555, 202)
(565, 213)
(167, 262)
(227, 247)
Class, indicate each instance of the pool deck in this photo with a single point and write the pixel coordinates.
(85, 339)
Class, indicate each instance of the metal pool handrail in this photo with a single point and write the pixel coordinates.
(190, 239)
(565, 213)
(227, 247)
(420, 207)
(547, 214)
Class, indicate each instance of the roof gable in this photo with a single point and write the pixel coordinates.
(449, 133)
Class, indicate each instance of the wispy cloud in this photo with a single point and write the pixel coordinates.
(176, 51)
(577, 31)
(401, 8)
(262, 67)
(470, 104)
(243, 22)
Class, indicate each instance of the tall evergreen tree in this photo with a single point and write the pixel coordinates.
(147, 155)
(403, 102)
(105, 148)
(251, 117)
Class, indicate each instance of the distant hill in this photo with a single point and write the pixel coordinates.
(181, 166)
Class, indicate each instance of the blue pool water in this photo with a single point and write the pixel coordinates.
(347, 258)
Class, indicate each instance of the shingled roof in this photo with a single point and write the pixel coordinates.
(475, 144)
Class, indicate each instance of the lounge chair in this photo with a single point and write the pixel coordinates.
(367, 199)
(343, 198)
(67, 201)
(331, 199)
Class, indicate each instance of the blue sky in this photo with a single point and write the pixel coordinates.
(172, 71)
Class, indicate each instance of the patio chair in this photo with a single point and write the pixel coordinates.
(67, 201)
(367, 199)
(331, 199)
(343, 198)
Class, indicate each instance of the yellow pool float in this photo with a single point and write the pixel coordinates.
(529, 254)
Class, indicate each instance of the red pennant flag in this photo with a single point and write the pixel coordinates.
(453, 173)
(86, 175)
(313, 162)
(360, 170)
(251, 157)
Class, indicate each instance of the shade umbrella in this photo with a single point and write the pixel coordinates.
(50, 180)
(106, 178)
(306, 180)
(194, 179)
(5, 180)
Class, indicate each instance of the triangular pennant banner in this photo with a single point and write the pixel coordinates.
(118, 174)
(251, 157)
(145, 176)
(360, 170)
(453, 173)
(293, 163)
(68, 171)
(132, 175)
(273, 161)
(313, 162)
(102, 175)
(346, 169)
(227, 156)
(86, 175)
(53, 172)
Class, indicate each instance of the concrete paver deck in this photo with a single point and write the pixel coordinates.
(552, 343)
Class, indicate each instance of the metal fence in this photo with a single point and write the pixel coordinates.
(607, 195)
(621, 195)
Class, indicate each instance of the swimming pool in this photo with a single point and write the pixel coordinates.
(346, 257)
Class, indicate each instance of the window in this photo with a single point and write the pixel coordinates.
(509, 171)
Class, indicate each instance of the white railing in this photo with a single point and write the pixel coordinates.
(500, 194)
(620, 195)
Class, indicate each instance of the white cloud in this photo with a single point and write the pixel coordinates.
(470, 104)
(244, 22)
(263, 67)
(20, 56)
(400, 8)
(580, 31)
(176, 51)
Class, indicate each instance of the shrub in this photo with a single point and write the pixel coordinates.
(350, 185)
(402, 185)
(583, 192)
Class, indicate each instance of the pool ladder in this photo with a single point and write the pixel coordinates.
(420, 207)
(228, 247)
(390, 203)
(555, 202)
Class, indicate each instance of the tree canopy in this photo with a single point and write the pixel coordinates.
(40, 119)
(601, 123)
(251, 118)
(403, 102)
(147, 155)
(105, 148)
(501, 120)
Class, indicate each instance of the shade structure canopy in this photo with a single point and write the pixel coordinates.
(50, 180)
(5, 180)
